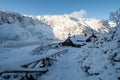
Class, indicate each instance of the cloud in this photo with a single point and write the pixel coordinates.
(78, 14)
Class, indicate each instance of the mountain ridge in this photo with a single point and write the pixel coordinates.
(46, 27)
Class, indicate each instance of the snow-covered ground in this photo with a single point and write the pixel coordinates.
(13, 54)
(101, 58)
(66, 68)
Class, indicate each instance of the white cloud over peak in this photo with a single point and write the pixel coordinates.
(78, 14)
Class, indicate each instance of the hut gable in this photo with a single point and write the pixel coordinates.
(68, 42)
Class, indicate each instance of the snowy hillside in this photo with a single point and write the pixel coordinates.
(14, 26)
(63, 24)
(101, 58)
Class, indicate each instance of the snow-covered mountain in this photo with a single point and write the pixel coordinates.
(14, 26)
(63, 24)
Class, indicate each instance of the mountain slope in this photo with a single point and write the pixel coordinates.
(14, 26)
(63, 24)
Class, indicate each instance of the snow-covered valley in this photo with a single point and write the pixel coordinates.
(27, 41)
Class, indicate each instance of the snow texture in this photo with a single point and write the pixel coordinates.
(21, 35)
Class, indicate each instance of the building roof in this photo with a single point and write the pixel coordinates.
(75, 38)
(79, 39)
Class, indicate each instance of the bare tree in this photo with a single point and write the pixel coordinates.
(115, 17)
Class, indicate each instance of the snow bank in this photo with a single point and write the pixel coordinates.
(101, 59)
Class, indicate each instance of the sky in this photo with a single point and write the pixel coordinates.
(99, 9)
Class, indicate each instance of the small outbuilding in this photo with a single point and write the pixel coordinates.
(71, 41)
(78, 41)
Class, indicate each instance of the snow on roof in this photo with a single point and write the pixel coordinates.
(79, 39)
(75, 38)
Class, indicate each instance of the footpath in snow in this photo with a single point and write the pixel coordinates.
(66, 68)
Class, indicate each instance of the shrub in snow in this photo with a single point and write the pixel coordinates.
(101, 59)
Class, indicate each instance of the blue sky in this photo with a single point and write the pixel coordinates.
(99, 9)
